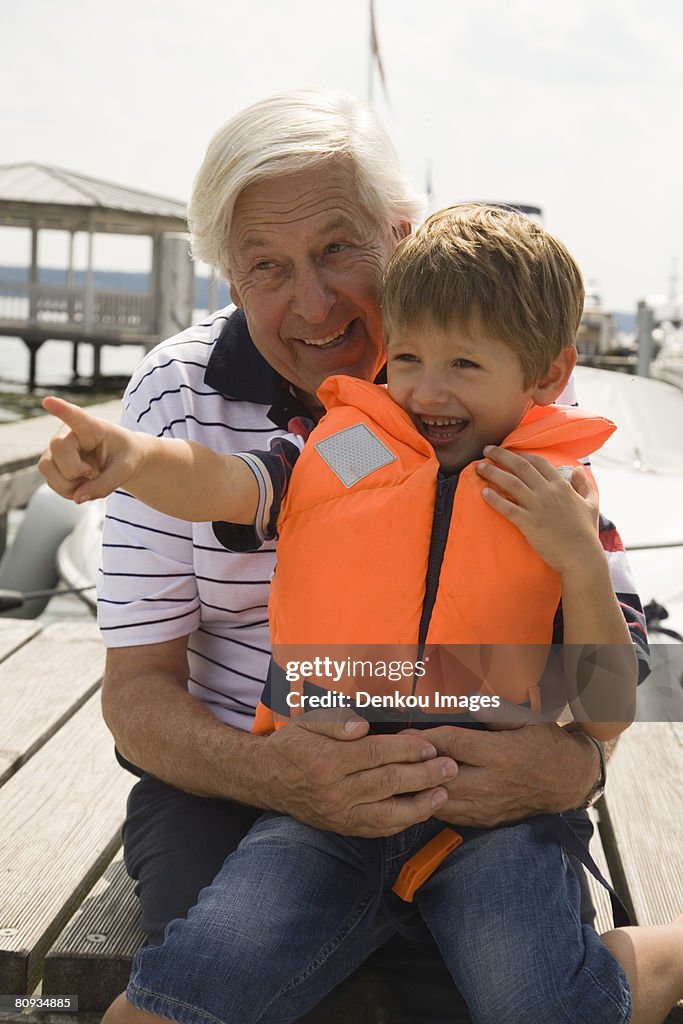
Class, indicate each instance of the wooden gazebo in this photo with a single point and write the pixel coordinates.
(38, 197)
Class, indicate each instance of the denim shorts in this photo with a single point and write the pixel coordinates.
(175, 843)
(294, 910)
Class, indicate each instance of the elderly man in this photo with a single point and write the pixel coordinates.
(299, 203)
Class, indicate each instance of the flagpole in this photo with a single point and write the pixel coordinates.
(371, 50)
(375, 57)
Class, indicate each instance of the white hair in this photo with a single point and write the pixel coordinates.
(292, 132)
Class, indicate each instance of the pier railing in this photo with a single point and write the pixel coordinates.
(39, 305)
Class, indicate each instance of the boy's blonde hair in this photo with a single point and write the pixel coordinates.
(489, 268)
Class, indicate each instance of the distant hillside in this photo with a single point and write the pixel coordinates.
(115, 280)
(626, 322)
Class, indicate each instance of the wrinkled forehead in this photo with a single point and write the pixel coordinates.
(319, 200)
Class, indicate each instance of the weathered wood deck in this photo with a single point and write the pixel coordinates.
(68, 918)
(62, 795)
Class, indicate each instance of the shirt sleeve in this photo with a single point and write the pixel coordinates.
(625, 590)
(272, 470)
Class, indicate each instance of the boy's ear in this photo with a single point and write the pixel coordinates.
(553, 383)
(234, 296)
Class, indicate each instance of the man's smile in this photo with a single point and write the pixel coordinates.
(329, 340)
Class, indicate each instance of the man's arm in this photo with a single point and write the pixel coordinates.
(314, 768)
(172, 475)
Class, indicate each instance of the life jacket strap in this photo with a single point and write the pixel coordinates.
(559, 829)
(424, 863)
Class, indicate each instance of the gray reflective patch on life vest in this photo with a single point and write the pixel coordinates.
(354, 453)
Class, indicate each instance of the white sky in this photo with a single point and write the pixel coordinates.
(574, 106)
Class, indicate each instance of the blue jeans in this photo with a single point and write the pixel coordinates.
(295, 910)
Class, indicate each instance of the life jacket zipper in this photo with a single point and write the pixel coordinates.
(441, 523)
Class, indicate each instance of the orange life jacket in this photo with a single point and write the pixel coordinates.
(355, 535)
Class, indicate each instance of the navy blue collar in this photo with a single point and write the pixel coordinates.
(238, 371)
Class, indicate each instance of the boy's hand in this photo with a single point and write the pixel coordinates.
(88, 458)
(558, 518)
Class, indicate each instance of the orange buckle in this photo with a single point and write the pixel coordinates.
(424, 863)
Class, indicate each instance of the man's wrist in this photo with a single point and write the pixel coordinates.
(598, 787)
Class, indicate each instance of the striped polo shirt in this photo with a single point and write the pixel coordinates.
(163, 578)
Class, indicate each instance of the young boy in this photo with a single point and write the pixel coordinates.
(395, 530)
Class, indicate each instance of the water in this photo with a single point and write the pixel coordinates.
(54, 361)
(54, 371)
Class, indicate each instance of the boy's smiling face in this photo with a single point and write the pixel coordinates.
(462, 388)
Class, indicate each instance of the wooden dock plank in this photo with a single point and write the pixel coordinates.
(641, 821)
(601, 900)
(14, 633)
(61, 815)
(93, 954)
(643, 828)
(42, 684)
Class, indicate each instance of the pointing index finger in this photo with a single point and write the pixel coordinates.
(86, 428)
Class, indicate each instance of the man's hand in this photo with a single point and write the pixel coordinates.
(314, 768)
(327, 772)
(511, 774)
(88, 458)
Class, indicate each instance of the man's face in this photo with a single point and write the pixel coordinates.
(462, 388)
(307, 265)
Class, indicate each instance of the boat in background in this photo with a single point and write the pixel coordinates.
(597, 335)
(668, 363)
(667, 333)
(79, 554)
(639, 472)
(602, 339)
